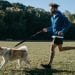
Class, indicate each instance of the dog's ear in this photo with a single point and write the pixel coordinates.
(0, 48)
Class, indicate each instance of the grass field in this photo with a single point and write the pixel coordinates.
(63, 64)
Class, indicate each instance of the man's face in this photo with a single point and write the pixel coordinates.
(53, 10)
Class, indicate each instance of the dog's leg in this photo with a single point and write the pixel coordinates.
(22, 63)
(18, 62)
(5, 61)
(2, 63)
(27, 62)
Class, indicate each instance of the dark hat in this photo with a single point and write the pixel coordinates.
(54, 5)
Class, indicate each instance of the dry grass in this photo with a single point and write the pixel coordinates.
(63, 64)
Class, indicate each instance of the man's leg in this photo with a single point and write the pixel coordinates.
(60, 47)
(53, 46)
(51, 57)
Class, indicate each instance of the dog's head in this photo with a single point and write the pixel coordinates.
(3, 50)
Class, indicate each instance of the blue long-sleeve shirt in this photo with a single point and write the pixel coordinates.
(59, 23)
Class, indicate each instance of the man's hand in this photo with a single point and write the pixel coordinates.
(44, 29)
(60, 33)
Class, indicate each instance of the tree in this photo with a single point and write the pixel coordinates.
(69, 15)
(4, 4)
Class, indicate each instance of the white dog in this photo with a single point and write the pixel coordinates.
(21, 54)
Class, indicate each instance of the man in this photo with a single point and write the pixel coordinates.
(59, 25)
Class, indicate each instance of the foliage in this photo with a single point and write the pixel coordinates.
(18, 21)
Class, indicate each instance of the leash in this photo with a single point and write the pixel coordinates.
(28, 38)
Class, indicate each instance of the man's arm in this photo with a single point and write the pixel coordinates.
(66, 25)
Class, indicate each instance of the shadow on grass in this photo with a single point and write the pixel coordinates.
(36, 71)
(49, 72)
(68, 48)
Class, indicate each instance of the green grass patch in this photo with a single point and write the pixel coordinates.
(39, 53)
